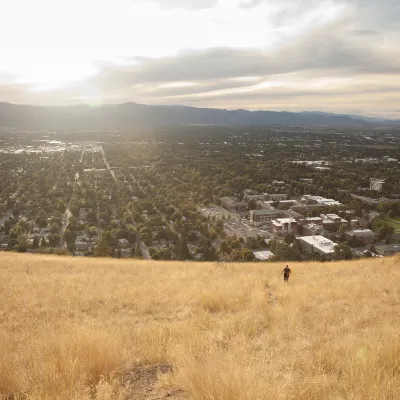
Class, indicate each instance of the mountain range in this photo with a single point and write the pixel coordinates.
(124, 116)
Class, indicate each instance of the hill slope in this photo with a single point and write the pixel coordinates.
(104, 329)
(130, 114)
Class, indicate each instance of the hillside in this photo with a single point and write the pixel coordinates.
(124, 116)
(75, 328)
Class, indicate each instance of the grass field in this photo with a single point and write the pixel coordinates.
(395, 222)
(77, 328)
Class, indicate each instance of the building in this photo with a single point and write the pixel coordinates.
(376, 184)
(255, 197)
(309, 202)
(261, 217)
(310, 220)
(81, 246)
(361, 222)
(233, 204)
(388, 249)
(318, 244)
(314, 230)
(374, 202)
(275, 196)
(4, 246)
(282, 226)
(263, 255)
(364, 236)
(284, 203)
(332, 222)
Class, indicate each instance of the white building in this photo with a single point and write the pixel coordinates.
(263, 255)
(282, 226)
(376, 184)
(318, 244)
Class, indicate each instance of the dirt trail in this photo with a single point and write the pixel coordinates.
(141, 383)
(271, 294)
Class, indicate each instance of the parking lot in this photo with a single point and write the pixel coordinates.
(243, 229)
(217, 212)
(236, 224)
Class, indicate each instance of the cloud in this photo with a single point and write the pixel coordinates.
(250, 4)
(304, 51)
(187, 4)
(322, 49)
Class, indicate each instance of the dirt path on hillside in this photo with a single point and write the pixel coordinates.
(141, 383)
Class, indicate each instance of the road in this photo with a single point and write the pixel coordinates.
(107, 164)
(14, 195)
(66, 218)
(148, 198)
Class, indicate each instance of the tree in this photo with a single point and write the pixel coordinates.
(247, 255)
(92, 231)
(72, 224)
(152, 252)
(163, 254)
(385, 231)
(22, 243)
(71, 247)
(68, 236)
(132, 235)
(55, 228)
(182, 250)
(35, 244)
(138, 252)
(252, 205)
(61, 206)
(225, 248)
(43, 242)
(55, 240)
(92, 217)
(103, 249)
(343, 251)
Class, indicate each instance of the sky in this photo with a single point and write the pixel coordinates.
(339, 56)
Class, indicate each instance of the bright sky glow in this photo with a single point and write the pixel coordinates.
(60, 52)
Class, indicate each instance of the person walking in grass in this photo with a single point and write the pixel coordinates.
(286, 273)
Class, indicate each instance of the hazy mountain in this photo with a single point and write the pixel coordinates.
(129, 114)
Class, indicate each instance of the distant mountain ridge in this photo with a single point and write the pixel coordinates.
(126, 115)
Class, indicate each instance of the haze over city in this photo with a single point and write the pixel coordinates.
(332, 56)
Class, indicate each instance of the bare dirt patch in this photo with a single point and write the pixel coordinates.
(142, 383)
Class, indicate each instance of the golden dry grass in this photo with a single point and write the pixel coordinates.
(69, 326)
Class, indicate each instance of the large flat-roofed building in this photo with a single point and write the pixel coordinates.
(332, 222)
(261, 217)
(309, 202)
(318, 244)
(275, 196)
(314, 230)
(282, 226)
(365, 236)
(233, 204)
(311, 220)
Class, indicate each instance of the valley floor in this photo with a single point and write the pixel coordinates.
(104, 329)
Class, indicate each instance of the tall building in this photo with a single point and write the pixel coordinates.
(376, 184)
(282, 226)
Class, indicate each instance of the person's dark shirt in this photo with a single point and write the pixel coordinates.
(287, 271)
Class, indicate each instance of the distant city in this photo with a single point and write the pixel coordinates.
(202, 193)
